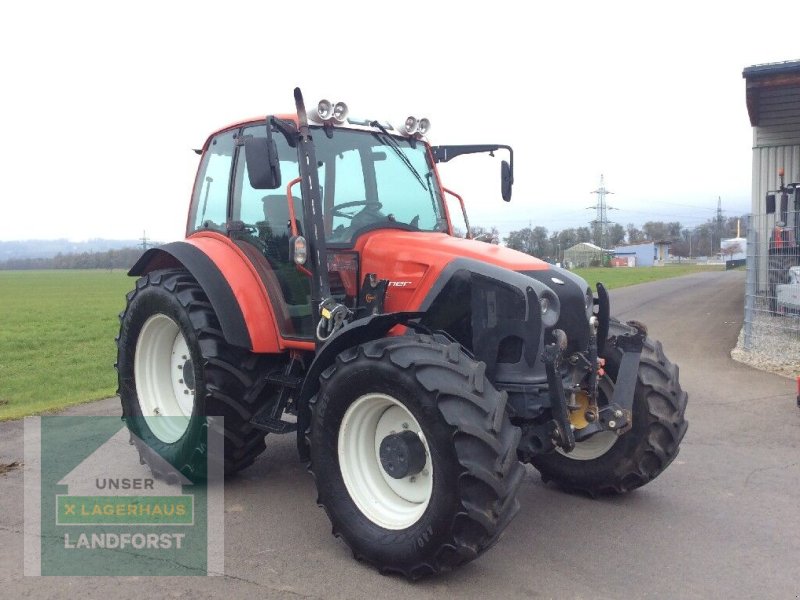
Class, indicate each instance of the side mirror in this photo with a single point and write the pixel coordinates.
(770, 204)
(263, 168)
(506, 180)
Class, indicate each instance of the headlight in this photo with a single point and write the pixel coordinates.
(340, 111)
(550, 307)
(544, 303)
(324, 109)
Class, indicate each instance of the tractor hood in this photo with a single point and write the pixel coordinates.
(413, 261)
(487, 297)
(440, 248)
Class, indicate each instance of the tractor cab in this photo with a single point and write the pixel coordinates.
(371, 177)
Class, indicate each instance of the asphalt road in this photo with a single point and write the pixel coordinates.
(722, 522)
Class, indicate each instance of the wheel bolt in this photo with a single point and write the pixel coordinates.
(425, 472)
(590, 416)
(180, 367)
(405, 425)
(612, 424)
(180, 380)
(187, 393)
(412, 479)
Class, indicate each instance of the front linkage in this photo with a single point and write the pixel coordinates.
(577, 416)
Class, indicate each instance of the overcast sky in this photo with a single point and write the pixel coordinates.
(101, 105)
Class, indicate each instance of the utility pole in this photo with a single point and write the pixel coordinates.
(718, 225)
(144, 240)
(600, 223)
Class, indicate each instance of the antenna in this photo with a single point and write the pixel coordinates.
(600, 223)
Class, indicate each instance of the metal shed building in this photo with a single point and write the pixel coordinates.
(771, 332)
(773, 105)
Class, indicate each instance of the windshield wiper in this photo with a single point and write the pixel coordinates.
(387, 139)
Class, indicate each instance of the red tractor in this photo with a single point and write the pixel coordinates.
(320, 290)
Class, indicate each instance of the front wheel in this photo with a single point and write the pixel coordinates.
(608, 464)
(413, 455)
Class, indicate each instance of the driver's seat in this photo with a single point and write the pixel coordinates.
(276, 213)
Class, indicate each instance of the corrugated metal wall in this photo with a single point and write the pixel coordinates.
(776, 144)
(766, 162)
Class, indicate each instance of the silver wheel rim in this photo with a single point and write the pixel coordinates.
(387, 502)
(600, 443)
(166, 396)
(595, 447)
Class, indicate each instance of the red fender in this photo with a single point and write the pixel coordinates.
(255, 311)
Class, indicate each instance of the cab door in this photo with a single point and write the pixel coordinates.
(259, 224)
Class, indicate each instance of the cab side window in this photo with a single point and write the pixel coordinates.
(260, 222)
(210, 198)
(268, 210)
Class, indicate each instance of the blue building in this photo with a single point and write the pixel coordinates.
(647, 254)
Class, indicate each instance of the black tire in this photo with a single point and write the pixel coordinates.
(472, 451)
(226, 378)
(653, 441)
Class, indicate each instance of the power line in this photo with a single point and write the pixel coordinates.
(600, 223)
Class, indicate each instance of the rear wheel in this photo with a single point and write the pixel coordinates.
(413, 455)
(608, 464)
(172, 361)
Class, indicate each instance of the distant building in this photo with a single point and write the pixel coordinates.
(583, 255)
(648, 254)
(734, 248)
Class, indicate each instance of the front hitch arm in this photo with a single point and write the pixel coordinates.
(631, 346)
(617, 415)
(562, 434)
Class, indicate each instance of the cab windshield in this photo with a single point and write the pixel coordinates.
(371, 180)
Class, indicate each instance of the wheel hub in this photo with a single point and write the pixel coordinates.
(402, 454)
(187, 370)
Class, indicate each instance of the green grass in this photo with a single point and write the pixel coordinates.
(57, 333)
(622, 276)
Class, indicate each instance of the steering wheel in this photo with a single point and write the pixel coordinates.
(338, 208)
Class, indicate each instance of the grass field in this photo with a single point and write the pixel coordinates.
(57, 332)
(622, 277)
